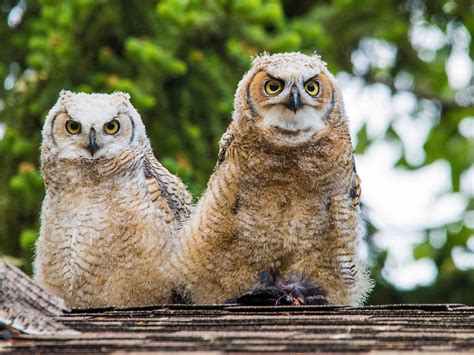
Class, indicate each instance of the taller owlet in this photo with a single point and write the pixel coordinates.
(283, 201)
(111, 209)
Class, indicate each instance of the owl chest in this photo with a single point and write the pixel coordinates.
(282, 218)
(88, 236)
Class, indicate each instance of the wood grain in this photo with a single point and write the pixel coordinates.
(221, 328)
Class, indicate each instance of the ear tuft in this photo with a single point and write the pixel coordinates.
(318, 58)
(65, 95)
(125, 96)
(259, 57)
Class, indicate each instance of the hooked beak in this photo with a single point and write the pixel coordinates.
(92, 146)
(294, 103)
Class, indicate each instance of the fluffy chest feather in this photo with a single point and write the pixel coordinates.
(281, 218)
(283, 198)
(98, 228)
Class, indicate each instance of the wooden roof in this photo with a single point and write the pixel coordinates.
(222, 328)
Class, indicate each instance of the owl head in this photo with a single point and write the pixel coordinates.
(88, 128)
(289, 96)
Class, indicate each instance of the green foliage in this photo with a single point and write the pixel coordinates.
(181, 61)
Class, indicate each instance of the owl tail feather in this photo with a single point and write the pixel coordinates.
(274, 290)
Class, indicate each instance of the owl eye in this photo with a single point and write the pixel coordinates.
(73, 127)
(112, 127)
(273, 87)
(312, 87)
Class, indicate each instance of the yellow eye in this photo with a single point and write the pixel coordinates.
(73, 127)
(312, 87)
(112, 127)
(273, 87)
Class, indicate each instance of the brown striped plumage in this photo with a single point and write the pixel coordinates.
(284, 196)
(109, 216)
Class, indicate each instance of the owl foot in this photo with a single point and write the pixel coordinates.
(274, 291)
(178, 296)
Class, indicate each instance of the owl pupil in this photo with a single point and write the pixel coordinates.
(110, 125)
(274, 86)
(74, 126)
(311, 87)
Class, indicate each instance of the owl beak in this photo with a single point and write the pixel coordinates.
(92, 146)
(294, 103)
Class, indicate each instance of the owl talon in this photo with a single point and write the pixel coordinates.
(270, 296)
(275, 291)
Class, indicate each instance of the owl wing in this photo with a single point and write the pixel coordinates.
(27, 307)
(225, 142)
(167, 191)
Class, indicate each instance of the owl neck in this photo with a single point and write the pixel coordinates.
(260, 158)
(273, 142)
(112, 175)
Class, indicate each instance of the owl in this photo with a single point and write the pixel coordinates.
(110, 212)
(280, 219)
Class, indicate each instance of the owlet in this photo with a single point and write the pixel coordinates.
(280, 218)
(111, 209)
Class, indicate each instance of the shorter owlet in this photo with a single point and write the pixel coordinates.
(111, 209)
(280, 219)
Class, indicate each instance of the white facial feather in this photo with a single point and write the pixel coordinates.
(293, 72)
(293, 69)
(307, 118)
(91, 108)
(92, 111)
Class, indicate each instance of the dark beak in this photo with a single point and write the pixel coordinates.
(294, 103)
(92, 146)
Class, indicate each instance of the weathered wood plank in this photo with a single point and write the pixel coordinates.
(26, 306)
(223, 328)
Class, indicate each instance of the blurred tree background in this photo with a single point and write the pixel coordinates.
(181, 61)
